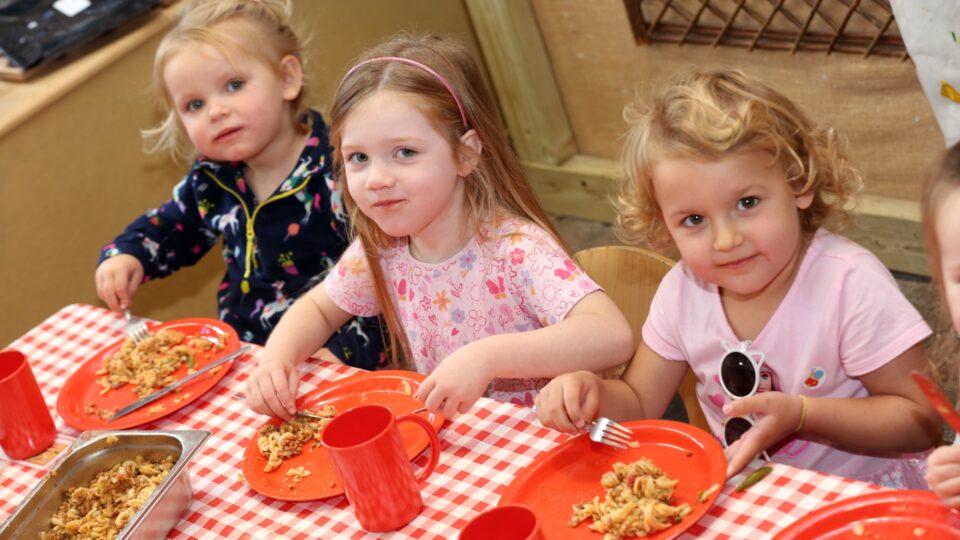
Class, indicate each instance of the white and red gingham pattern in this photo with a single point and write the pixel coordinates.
(481, 453)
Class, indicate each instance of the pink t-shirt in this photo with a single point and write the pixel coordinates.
(518, 280)
(843, 317)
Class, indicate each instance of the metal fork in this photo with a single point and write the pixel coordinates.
(605, 431)
(136, 332)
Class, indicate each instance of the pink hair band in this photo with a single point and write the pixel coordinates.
(424, 67)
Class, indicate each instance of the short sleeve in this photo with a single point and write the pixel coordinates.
(877, 321)
(350, 283)
(543, 277)
(659, 331)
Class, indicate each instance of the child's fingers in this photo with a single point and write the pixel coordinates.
(578, 411)
(559, 417)
(450, 407)
(740, 453)
(434, 399)
(547, 403)
(255, 398)
(951, 501)
(465, 406)
(948, 489)
(106, 290)
(279, 377)
(133, 284)
(424, 391)
(945, 455)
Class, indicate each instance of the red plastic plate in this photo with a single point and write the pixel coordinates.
(83, 387)
(899, 514)
(570, 473)
(381, 388)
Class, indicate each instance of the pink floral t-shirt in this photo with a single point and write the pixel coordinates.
(519, 279)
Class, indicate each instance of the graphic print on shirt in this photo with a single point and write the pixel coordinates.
(768, 382)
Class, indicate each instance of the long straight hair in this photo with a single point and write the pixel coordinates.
(497, 188)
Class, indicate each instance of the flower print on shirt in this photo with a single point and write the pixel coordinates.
(486, 289)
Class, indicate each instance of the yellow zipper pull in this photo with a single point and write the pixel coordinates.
(245, 285)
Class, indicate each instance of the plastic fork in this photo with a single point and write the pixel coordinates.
(605, 431)
(136, 332)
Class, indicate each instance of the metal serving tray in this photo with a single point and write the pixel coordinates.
(91, 454)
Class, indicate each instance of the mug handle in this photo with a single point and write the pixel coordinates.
(434, 443)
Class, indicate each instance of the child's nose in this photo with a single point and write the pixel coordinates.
(726, 236)
(216, 110)
(379, 176)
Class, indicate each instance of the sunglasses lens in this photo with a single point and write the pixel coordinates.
(738, 374)
(734, 429)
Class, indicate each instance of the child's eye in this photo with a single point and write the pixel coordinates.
(357, 158)
(193, 105)
(234, 85)
(692, 220)
(747, 203)
(406, 152)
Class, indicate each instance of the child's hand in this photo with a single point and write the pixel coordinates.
(776, 415)
(272, 388)
(118, 279)
(458, 382)
(570, 401)
(943, 474)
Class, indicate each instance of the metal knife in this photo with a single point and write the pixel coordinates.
(164, 391)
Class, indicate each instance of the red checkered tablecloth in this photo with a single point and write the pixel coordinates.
(481, 453)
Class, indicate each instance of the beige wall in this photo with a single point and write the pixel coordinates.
(73, 173)
(876, 103)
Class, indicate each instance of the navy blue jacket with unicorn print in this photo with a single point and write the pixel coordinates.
(275, 250)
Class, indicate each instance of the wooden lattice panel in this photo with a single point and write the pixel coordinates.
(865, 27)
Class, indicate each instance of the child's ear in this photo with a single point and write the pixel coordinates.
(470, 158)
(804, 200)
(291, 74)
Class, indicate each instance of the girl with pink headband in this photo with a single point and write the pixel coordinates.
(450, 244)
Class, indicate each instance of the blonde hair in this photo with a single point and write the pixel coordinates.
(258, 29)
(707, 115)
(497, 187)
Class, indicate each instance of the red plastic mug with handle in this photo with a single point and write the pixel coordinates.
(371, 462)
(26, 427)
(507, 522)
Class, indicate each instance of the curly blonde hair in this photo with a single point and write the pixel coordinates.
(708, 115)
(258, 29)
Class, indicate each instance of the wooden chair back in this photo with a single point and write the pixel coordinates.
(630, 276)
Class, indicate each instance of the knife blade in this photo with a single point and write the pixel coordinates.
(164, 391)
(309, 414)
(938, 400)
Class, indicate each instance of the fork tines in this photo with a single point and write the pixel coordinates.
(614, 434)
(138, 332)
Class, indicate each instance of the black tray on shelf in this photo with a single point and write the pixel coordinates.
(32, 31)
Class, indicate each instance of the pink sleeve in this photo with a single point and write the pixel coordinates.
(659, 331)
(350, 284)
(877, 322)
(547, 282)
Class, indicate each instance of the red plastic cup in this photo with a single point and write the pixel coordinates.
(507, 522)
(371, 462)
(26, 427)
